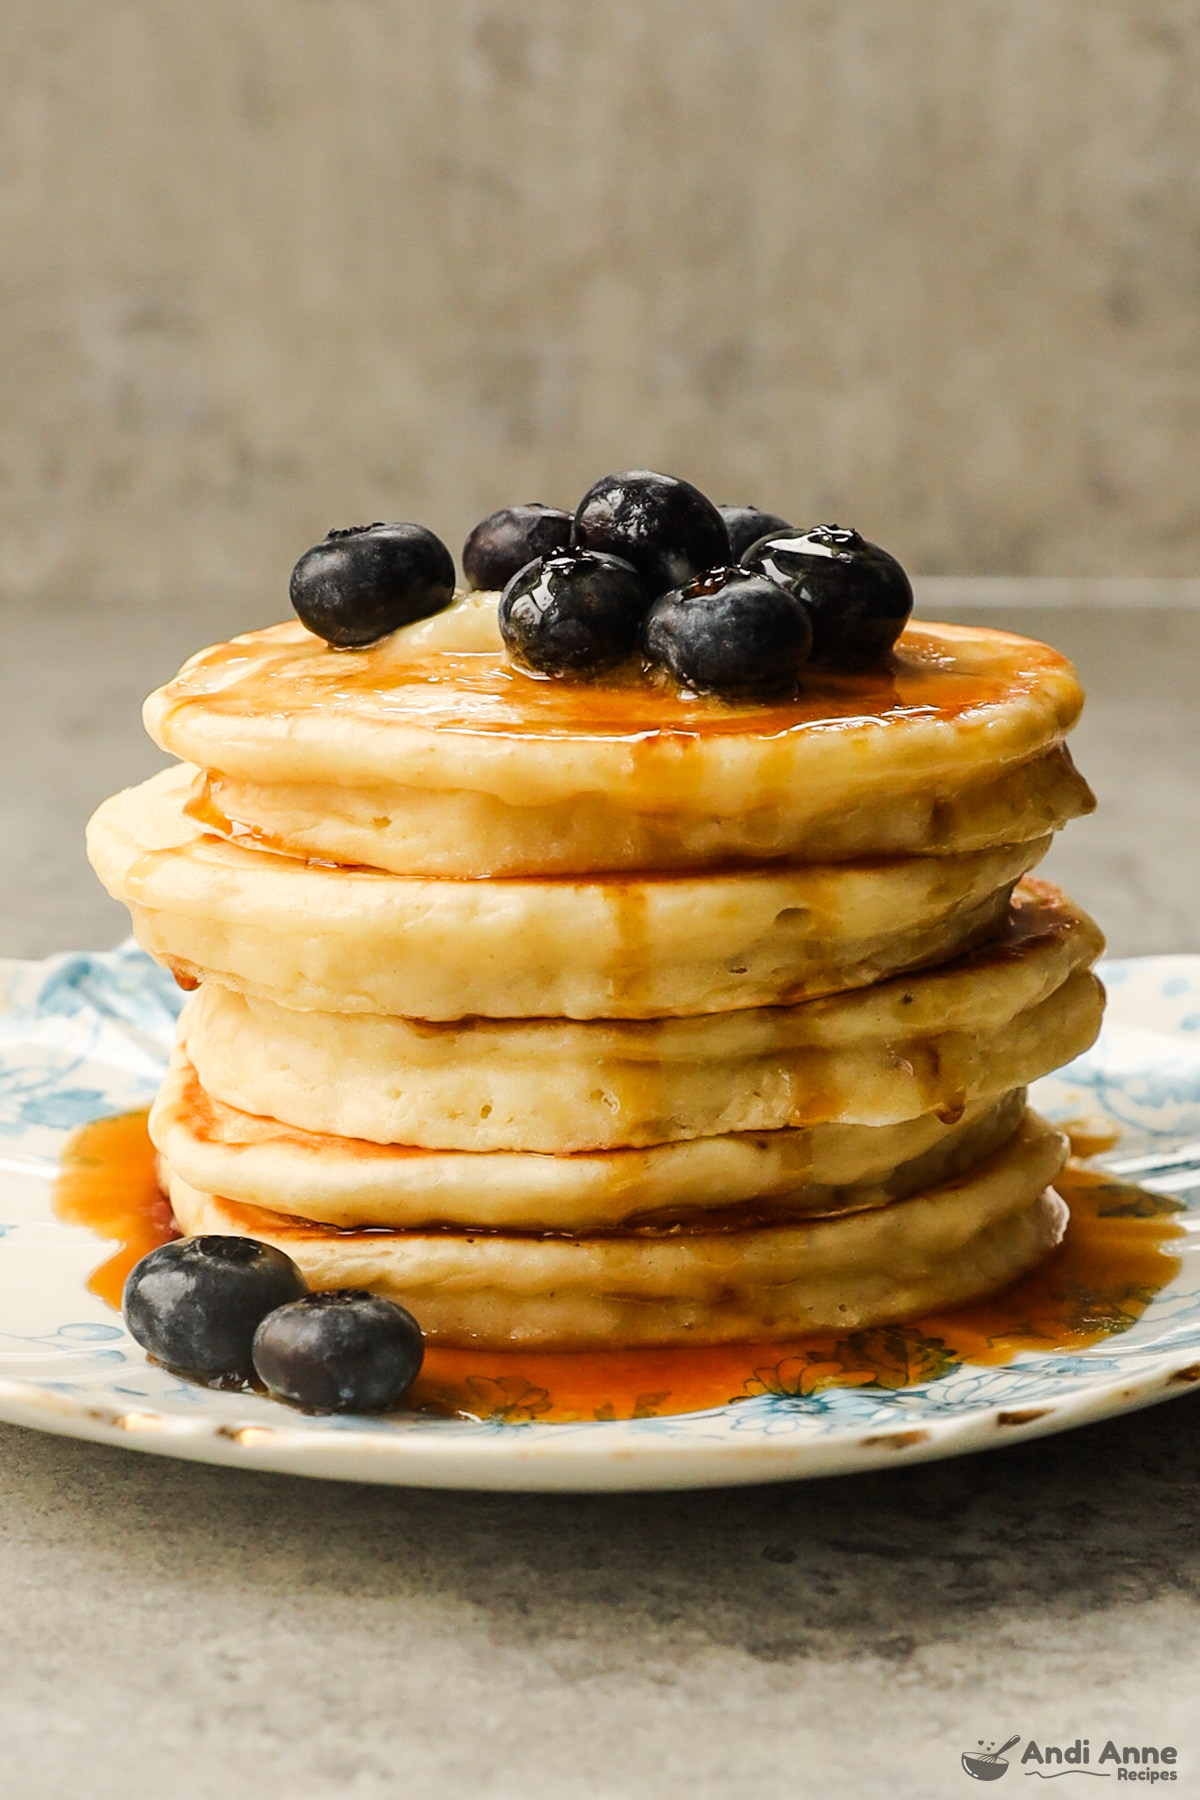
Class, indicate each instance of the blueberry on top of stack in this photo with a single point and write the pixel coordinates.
(728, 600)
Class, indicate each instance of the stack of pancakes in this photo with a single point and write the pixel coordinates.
(580, 1014)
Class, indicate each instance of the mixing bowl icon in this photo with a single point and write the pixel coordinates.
(983, 1768)
(988, 1765)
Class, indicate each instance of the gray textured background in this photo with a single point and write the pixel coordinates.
(270, 265)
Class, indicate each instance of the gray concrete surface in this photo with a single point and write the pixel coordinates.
(195, 1632)
(271, 265)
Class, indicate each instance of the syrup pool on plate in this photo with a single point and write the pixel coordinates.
(1116, 1256)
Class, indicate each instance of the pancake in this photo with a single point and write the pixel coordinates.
(342, 940)
(411, 831)
(994, 1020)
(438, 706)
(430, 754)
(955, 1242)
(348, 1181)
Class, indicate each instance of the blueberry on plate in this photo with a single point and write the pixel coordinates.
(574, 613)
(360, 585)
(665, 527)
(746, 524)
(502, 544)
(858, 597)
(196, 1303)
(731, 633)
(346, 1350)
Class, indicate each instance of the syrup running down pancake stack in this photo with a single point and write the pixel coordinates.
(574, 1014)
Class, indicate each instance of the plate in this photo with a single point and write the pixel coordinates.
(86, 1035)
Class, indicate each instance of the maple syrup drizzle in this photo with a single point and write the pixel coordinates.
(481, 691)
(109, 1182)
(202, 807)
(1117, 1254)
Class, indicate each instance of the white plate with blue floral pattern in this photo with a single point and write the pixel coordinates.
(86, 1036)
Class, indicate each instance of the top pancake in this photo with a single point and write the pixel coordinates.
(354, 756)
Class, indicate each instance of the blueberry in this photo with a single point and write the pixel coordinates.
(196, 1303)
(573, 613)
(746, 524)
(665, 527)
(502, 544)
(362, 584)
(858, 597)
(730, 632)
(347, 1350)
